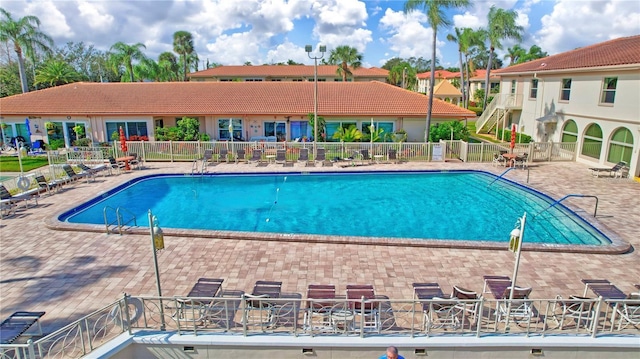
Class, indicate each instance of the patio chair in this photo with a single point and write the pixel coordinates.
(320, 156)
(17, 324)
(498, 160)
(468, 300)
(579, 310)
(221, 311)
(425, 292)
(286, 310)
(364, 154)
(6, 208)
(629, 311)
(115, 165)
(43, 184)
(444, 313)
(240, 155)
(304, 157)
(73, 175)
(523, 160)
(256, 156)
(321, 299)
(281, 156)
(259, 310)
(521, 308)
(92, 170)
(627, 307)
(135, 161)
(223, 155)
(366, 312)
(610, 172)
(8, 199)
(392, 156)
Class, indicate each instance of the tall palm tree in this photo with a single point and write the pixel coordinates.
(347, 58)
(458, 39)
(183, 46)
(26, 37)
(514, 54)
(124, 54)
(169, 64)
(501, 25)
(434, 10)
(56, 72)
(469, 39)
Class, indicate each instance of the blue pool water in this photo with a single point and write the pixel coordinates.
(435, 205)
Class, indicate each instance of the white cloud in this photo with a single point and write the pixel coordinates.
(572, 24)
(408, 36)
(235, 49)
(341, 22)
(94, 15)
(53, 22)
(287, 51)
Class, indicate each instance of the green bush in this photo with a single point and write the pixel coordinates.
(83, 142)
(520, 137)
(477, 110)
(205, 137)
(442, 131)
(55, 144)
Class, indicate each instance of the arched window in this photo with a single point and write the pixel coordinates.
(620, 146)
(592, 143)
(570, 131)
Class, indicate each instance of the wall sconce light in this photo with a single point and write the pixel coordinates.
(68, 117)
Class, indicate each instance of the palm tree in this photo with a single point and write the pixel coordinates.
(169, 64)
(183, 46)
(460, 39)
(26, 37)
(515, 54)
(56, 72)
(124, 54)
(535, 52)
(437, 18)
(501, 26)
(345, 57)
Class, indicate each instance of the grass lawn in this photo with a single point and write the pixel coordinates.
(11, 164)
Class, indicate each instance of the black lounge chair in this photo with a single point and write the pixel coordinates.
(9, 199)
(240, 155)
(46, 185)
(256, 156)
(320, 155)
(281, 156)
(115, 165)
(392, 156)
(611, 172)
(73, 175)
(223, 155)
(304, 156)
(18, 324)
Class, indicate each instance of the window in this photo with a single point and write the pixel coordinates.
(223, 128)
(565, 93)
(332, 127)
(387, 127)
(533, 93)
(131, 128)
(276, 129)
(609, 90)
(297, 80)
(513, 87)
(253, 80)
(570, 132)
(620, 146)
(300, 129)
(592, 144)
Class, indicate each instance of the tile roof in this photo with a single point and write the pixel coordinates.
(445, 88)
(480, 75)
(285, 71)
(226, 98)
(621, 51)
(440, 74)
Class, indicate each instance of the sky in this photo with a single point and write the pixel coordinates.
(232, 32)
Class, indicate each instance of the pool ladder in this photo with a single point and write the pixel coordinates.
(119, 221)
(595, 211)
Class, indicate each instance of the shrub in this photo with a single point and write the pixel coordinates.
(477, 110)
(520, 137)
(55, 144)
(83, 142)
(205, 137)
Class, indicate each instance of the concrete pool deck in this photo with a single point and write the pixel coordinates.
(70, 274)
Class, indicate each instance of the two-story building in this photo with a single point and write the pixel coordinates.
(295, 73)
(589, 96)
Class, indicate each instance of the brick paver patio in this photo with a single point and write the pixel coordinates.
(70, 274)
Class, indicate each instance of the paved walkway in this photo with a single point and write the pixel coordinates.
(70, 274)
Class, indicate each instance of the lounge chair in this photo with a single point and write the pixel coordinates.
(221, 311)
(321, 302)
(281, 156)
(223, 155)
(8, 199)
(304, 157)
(190, 309)
(392, 156)
(425, 292)
(256, 156)
(6, 208)
(468, 300)
(240, 155)
(521, 308)
(320, 156)
(444, 313)
(286, 310)
(73, 175)
(627, 307)
(259, 310)
(17, 324)
(365, 310)
(364, 154)
(579, 310)
(93, 170)
(614, 171)
(46, 185)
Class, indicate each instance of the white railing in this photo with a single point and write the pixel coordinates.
(233, 312)
(490, 117)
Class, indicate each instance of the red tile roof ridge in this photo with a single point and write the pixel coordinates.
(619, 51)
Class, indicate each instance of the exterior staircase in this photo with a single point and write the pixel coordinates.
(496, 111)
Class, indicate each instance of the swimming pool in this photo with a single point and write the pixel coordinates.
(453, 205)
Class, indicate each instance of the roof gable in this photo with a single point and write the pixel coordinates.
(445, 88)
(370, 98)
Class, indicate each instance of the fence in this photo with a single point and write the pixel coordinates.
(233, 312)
(467, 152)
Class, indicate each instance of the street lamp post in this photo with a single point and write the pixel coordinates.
(157, 243)
(309, 49)
(515, 245)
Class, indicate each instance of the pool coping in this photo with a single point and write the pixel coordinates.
(617, 246)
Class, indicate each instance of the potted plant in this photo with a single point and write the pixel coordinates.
(79, 130)
(51, 127)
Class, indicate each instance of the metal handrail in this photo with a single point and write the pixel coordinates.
(121, 222)
(501, 175)
(106, 220)
(595, 211)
